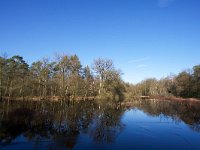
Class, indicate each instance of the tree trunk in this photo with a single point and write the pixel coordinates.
(10, 91)
(20, 92)
(23, 88)
(45, 89)
(7, 86)
(32, 92)
(100, 87)
(39, 89)
(51, 90)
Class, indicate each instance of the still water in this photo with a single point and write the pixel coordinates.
(142, 124)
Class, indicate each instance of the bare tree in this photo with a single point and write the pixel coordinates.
(101, 68)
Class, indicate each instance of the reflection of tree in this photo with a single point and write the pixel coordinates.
(60, 125)
(63, 141)
(107, 125)
(14, 123)
(186, 111)
(196, 126)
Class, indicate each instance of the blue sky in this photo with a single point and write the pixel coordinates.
(145, 38)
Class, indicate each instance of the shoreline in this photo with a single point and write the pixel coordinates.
(58, 98)
(48, 98)
(178, 99)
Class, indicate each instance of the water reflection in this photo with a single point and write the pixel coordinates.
(61, 126)
(188, 112)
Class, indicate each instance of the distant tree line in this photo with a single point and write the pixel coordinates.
(64, 78)
(186, 84)
(148, 87)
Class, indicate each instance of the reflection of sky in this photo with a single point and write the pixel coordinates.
(143, 131)
(158, 132)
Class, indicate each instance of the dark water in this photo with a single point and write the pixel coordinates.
(90, 125)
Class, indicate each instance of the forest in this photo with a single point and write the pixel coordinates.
(66, 79)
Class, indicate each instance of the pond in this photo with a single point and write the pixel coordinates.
(141, 124)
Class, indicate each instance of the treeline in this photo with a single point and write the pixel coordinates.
(186, 85)
(149, 87)
(64, 78)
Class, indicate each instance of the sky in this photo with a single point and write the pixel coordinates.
(144, 38)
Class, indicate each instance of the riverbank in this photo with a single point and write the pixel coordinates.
(58, 98)
(49, 98)
(173, 98)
